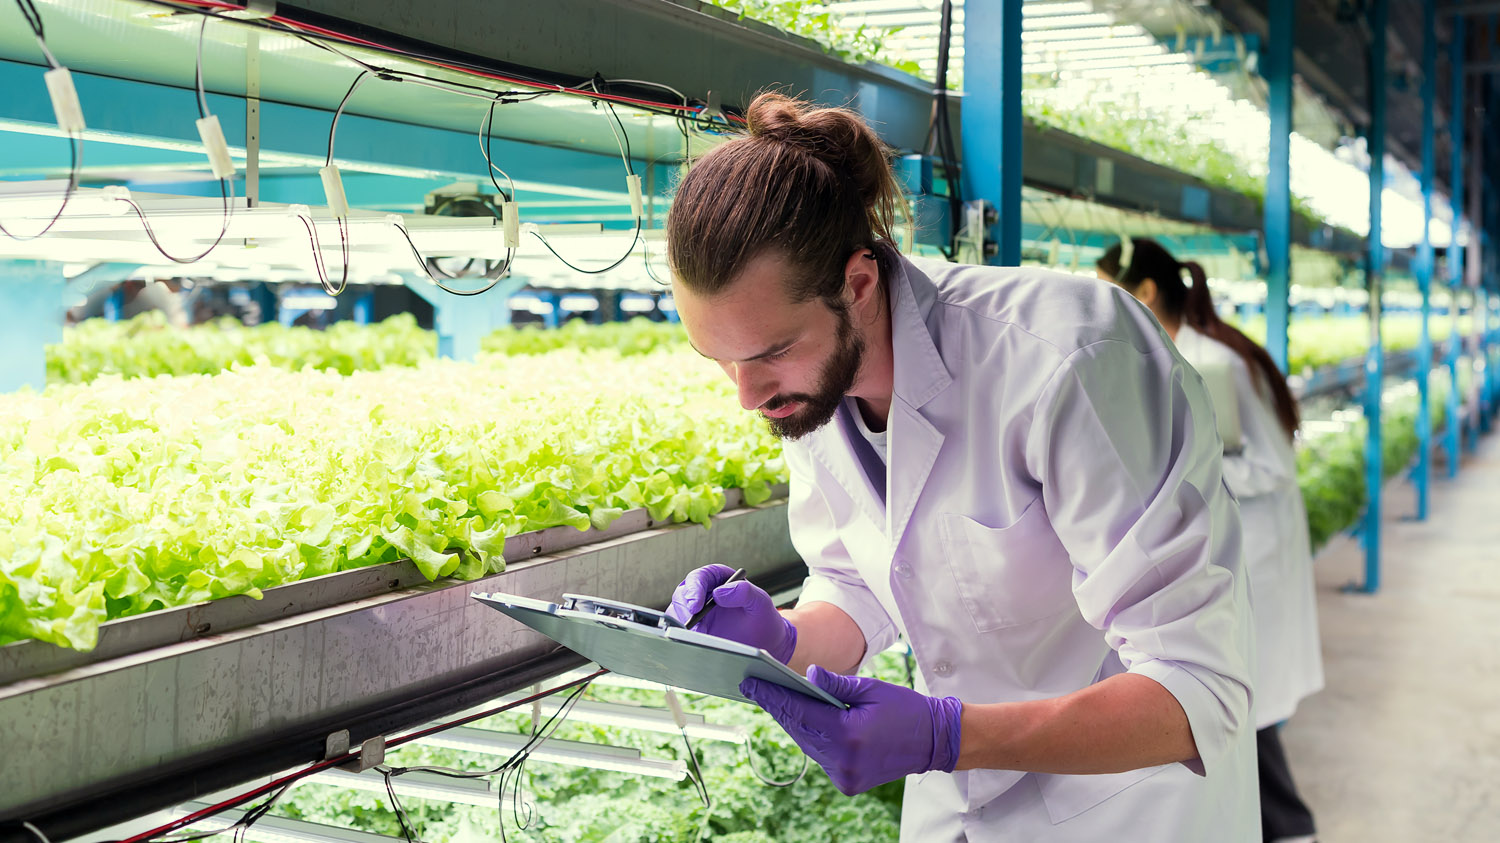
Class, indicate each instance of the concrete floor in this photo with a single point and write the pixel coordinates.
(1403, 745)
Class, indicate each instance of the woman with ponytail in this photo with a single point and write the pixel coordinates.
(1261, 470)
(1011, 469)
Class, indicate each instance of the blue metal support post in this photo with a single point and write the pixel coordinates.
(31, 318)
(462, 321)
(1374, 470)
(1278, 211)
(1457, 107)
(1423, 474)
(991, 131)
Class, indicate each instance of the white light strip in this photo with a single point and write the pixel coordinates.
(644, 718)
(569, 753)
(274, 829)
(416, 784)
(1068, 7)
(1087, 32)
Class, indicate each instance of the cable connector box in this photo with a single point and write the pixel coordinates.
(333, 189)
(64, 99)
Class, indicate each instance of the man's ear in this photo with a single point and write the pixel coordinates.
(861, 278)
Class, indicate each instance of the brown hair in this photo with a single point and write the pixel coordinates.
(1195, 306)
(815, 184)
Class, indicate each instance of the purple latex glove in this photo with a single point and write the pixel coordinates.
(888, 731)
(742, 611)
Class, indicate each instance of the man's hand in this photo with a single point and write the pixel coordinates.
(888, 731)
(742, 611)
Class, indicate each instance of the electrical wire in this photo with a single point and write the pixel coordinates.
(770, 782)
(513, 768)
(285, 25)
(486, 137)
(226, 185)
(75, 141)
(156, 834)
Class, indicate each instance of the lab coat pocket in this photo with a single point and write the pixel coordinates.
(1012, 575)
(1068, 796)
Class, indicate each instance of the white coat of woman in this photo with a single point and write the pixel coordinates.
(1012, 469)
(1261, 469)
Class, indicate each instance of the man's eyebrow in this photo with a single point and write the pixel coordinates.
(773, 350)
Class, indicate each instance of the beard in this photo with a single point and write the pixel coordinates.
(835, 379)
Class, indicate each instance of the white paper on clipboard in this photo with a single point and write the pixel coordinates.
(661, 652)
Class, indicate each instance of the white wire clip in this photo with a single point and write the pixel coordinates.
(333, 189)
(64, 99)
(633, 184)
(216, 147)
(510, 218)
(678, 715)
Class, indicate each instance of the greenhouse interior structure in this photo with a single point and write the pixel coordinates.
(1132, 483)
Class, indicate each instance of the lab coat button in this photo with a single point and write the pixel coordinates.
(903, 570)
(942, 669)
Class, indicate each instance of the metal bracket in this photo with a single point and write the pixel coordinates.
(371, 752)
(253, 10)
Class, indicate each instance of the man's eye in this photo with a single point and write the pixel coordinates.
(778, 355)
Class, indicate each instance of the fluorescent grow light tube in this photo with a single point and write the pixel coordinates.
(42, 199)
(569, 753)
(273, 829)
(417, 785)
(644, 718)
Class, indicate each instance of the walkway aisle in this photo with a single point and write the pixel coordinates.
(1404, 743)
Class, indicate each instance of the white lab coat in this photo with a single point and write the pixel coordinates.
(1055, 516)
(1278, 554)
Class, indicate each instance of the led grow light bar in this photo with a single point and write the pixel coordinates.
(552, 751)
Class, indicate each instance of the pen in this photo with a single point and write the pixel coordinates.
(738, 575)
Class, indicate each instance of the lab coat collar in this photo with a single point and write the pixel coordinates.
(920, 375)
(920, 372)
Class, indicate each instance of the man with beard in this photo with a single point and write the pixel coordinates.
(1011, 469)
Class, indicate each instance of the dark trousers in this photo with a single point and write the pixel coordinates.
(1282, 811)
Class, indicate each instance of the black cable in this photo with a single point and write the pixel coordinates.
(333, 127)
(75, 164)
(944, 130)
(602, 270)
(33, 18)
(226, 185)
(460, 64)
(769, 782)
(493, 276)
(75, 142)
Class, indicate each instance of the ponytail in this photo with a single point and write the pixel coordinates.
(811, 184)
(1194, 306)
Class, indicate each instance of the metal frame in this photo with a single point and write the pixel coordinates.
(142, 732)
(1422, 476)
(1278, 211)
(991, 125)
(1375, 360)
(1456, 59)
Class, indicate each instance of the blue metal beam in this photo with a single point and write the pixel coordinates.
(1456, 59)
(1427, 258)
(463, 321)
(163, 115)
(1278, 209)
(991, 132)
(1374, 476)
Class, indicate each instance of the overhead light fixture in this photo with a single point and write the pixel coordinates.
(1067, 7)
(274, 829)
(553, 751)
(416, 784)
(643, 718)
(43, 198)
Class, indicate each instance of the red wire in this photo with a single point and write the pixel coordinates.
(188, 820)
(351, 39)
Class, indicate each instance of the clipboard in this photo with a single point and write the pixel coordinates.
(650, 645)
